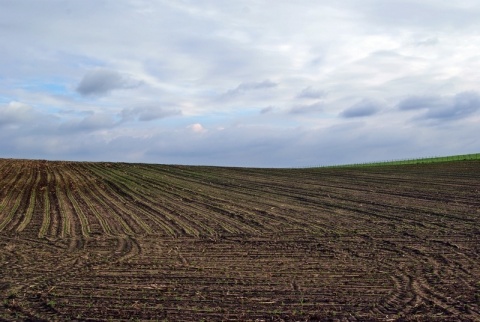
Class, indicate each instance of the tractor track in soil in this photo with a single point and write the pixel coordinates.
(115, 241)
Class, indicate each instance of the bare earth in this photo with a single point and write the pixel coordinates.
(113, 241)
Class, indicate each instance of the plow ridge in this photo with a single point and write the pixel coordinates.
(15, 202)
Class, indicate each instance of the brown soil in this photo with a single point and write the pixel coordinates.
(113, 241)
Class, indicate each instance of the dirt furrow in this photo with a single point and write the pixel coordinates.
(69, 224)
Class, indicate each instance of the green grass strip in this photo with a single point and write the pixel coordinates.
(461, 157)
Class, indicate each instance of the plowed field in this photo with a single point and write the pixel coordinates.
(114, 241)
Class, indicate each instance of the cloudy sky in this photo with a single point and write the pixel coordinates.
(239, 83)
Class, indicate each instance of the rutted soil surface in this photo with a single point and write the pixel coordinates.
(114, 241)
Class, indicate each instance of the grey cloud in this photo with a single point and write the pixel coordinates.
(214, 57)
(97, 121)
(432, 41)
(385, 61)
(265, 146)
(421, 102)
(267, 109)
(311, 93)
(441, 108)
(238, 145)
(361, 109)
(307, 108)
(90, 123)
(250, 145)
(422, 14)
(148, 113)
(463, 105)
(101, 81)
(250, 86)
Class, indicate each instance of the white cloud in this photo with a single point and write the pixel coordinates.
(15, 113)
(197, 128)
